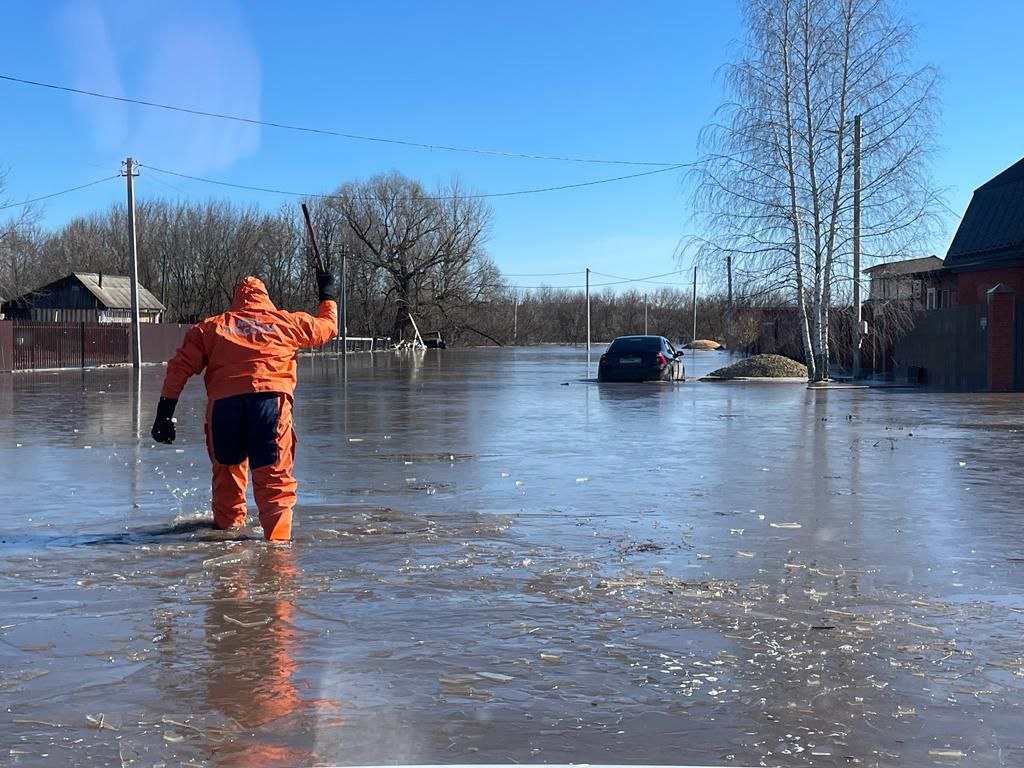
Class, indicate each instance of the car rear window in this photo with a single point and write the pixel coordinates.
(636, 344)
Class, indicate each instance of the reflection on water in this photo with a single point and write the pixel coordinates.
(498, 560)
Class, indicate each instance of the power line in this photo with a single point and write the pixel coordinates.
(323, 131)
(544, 274)
(274, 191)
(57, 194)
(617, 281)
(637, 279)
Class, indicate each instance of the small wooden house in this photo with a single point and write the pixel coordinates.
(84, 297)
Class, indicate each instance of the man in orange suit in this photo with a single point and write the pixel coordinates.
(249, 355)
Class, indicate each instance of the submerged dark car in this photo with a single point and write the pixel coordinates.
(641, 358)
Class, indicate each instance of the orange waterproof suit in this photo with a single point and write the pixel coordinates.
(249, 356)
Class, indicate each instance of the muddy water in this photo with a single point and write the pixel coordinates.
(497, 561)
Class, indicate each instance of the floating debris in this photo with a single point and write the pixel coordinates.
(248, 624)
(946, 754)
(744, 554)
(495, 677)
(456, 682)
(785, 525)
(228, 559)
(101, 722)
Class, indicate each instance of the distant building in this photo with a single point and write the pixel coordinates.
(988, 248)
(922, 283)
(86, 297)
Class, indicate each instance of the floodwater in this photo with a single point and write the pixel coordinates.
(497, 560)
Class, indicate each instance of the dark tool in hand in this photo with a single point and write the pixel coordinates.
(321, 265)
(324, 279)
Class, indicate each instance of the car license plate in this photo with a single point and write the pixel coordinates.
(629, 361)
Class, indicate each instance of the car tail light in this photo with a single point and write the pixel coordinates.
(661, 359)
(604, 359)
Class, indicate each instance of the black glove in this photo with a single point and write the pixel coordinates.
(325, 286)
(163, 426)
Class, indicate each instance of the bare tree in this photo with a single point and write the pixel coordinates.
(774, 188)
(19, 245)
(425, 250)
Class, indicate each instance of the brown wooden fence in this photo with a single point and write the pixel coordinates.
(28, 345)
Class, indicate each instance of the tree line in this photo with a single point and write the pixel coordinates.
(411, 255)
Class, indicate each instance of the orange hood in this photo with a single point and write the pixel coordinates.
(251, 294)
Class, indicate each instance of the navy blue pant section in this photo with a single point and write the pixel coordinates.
(245, 427)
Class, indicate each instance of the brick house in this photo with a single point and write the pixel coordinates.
(988, 248)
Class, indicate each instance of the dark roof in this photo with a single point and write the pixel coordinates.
(992, 230)
(906, 267)
(116, 291)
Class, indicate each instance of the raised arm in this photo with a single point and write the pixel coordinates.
(315, 331)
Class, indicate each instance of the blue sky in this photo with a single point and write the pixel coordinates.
(588, 78)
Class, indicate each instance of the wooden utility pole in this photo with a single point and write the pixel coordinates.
(856, 249)
(645, 314)
(515, 319)
(129, 173)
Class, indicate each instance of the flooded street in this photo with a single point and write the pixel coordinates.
(496, 560)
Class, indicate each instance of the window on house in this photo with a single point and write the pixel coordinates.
(944, 299)
(931, 302)
(917, 289)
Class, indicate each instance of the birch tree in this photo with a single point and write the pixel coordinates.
(774, 188)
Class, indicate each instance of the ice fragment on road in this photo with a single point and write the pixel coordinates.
(785, 525)
(946, 754)
(744, 554)
(495, 677)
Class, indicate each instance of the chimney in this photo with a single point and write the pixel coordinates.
(101, 279)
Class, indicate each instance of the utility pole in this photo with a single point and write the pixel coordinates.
(729, 307)
(130, 173)
(588, 320)
(694, 303)
(856, 248)
(344, 305)
(515, 319)
(645, 314)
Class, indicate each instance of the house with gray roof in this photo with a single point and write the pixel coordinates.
(84, 297)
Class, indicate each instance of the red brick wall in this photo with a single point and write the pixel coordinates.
(1001, 331)
(972, 287)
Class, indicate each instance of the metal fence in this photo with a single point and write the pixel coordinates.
(29, 345)
(159, 341)
(946, 349)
